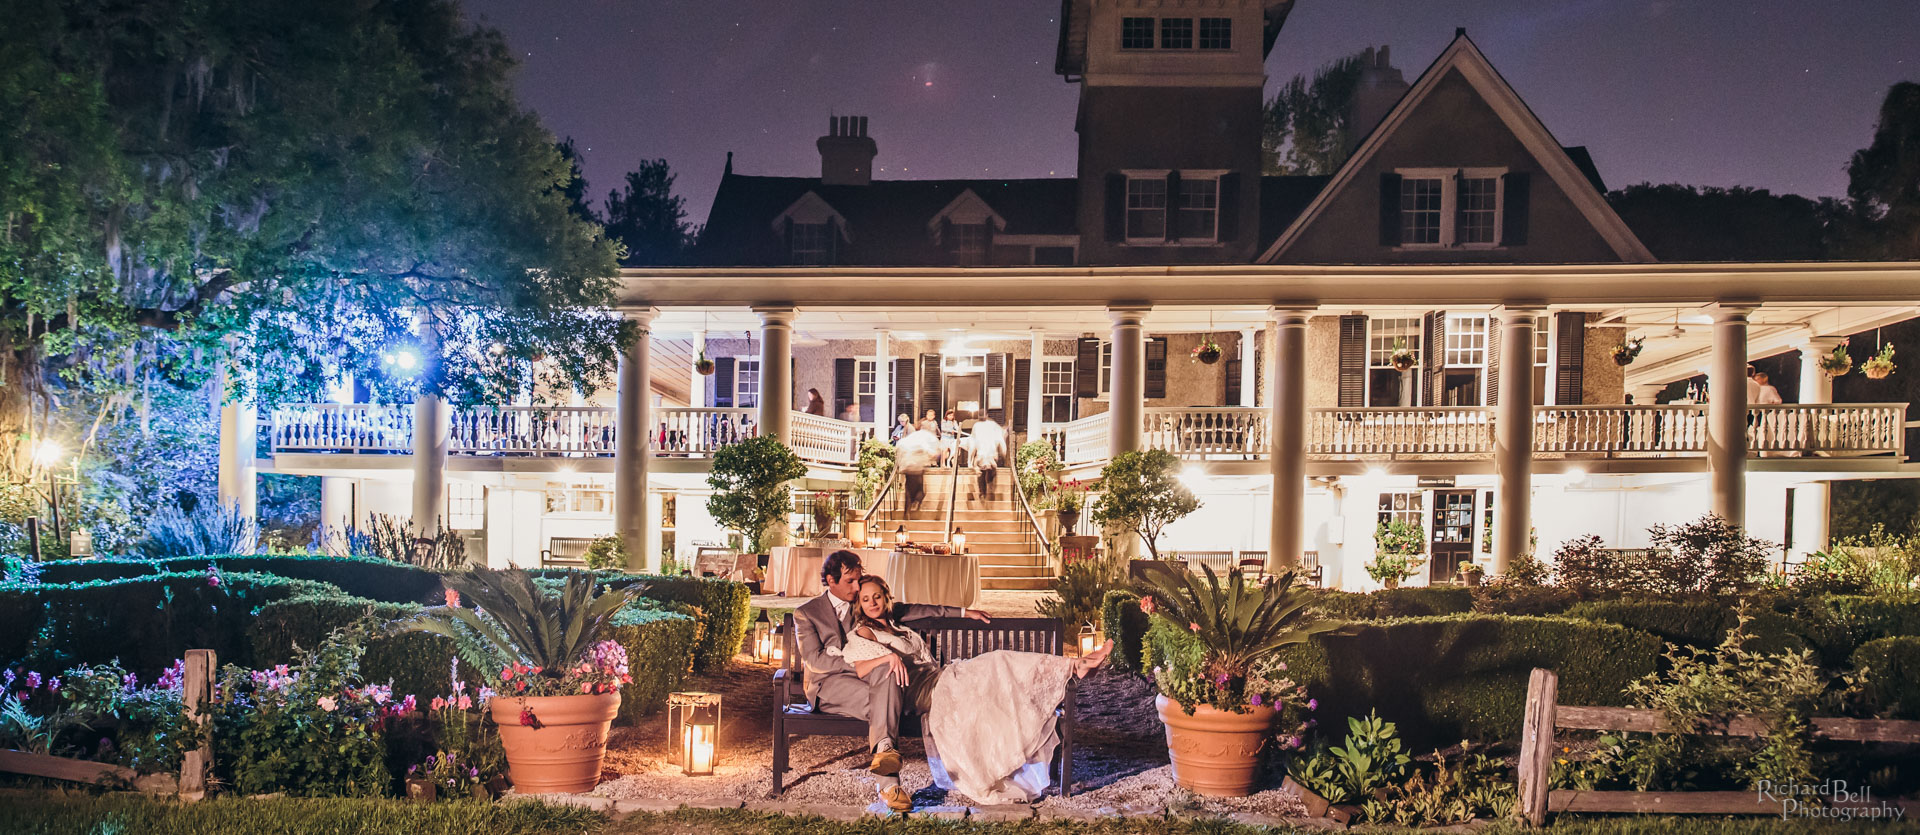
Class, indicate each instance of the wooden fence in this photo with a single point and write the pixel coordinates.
(1543, 716)
(191, 783)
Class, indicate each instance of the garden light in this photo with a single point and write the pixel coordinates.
(1088, 639)
(693, 730)
(48, 452)
(857, 530)
(900, 535)
(762, 639)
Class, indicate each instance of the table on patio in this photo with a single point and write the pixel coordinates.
(938, 579)
(794, 570)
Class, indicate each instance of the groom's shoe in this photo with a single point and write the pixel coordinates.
(897, 798)
(886, 763)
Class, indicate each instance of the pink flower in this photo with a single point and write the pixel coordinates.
(33, 681)
(327, 703)
(439, 703)
(506, 674)
(1313, 704)
(1256, 700)
(1194, 626)
(528, 719)
(1147, 605)
(453, 597)
(466, 702)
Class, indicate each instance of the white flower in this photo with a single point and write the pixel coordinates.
(327, 703)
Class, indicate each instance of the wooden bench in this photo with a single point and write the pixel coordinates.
(950, 639)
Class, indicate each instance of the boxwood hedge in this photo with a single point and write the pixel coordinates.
(374, 579)
(724, 607)
(1893, 675)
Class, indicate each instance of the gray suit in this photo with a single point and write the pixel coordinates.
(830, 683)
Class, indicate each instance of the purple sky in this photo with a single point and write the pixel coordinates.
(1768, 93)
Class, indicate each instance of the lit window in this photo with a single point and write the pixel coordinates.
(1467, 340)
(466, 506)
(811, 242)
(1479, 200)
(1199, 209)
(1420, 213)
(1136, 33)
(1216, 33)
(1406, 507)
(1540, 335)
(969, 243)
(1176, 33)
(1106, 368)
(1146, 207)
(1384, 382)
(1056, 391)
(746, 382)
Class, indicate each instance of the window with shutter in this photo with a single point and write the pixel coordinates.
(996, 404)
(903, 390)
(1353, 362)
(1156, 351)
(1496, 335)
(845, 382)
(930, 385)
(1231, 396)
(1436, 365)
(1570, 347)
(723, 382)
(1086, 368)
(1021, 391)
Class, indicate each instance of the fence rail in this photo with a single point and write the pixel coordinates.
(825, 439)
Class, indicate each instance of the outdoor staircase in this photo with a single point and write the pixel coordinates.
(997, 529)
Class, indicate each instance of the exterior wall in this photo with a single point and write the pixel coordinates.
(1603, 383)
(1323, 362)
(1453, 127)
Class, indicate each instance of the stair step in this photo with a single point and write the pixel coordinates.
(1016, 584)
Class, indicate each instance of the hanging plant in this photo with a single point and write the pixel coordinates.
(1208, 351)
(1402, 358)
(703, 365)
(1626, 352)
(1880, 365)
(1837, 364)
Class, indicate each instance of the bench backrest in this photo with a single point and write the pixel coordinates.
(954, 639)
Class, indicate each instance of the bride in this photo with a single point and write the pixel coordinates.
(989, 724)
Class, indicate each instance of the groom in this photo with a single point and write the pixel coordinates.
(821, 626)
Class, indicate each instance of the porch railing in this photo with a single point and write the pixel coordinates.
(533, 430)
(1207, 432)
(1337, 433)
(342, 427)
(697, 433)
(824, 439)
(1084, 441)
(1836, 429)
(1620, 429)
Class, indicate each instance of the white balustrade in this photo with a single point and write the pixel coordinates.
(825, 439)
(578, 431)
(342, 427)
(1085, 440)
(1834, 429)
(1415, 431)
(697, 433)
(1203, 432)
(1620, 429)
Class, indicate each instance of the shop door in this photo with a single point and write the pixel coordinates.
(1452, 533)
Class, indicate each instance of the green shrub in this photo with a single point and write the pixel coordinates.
(373, 579)
(414, 663)
(660, 649)
(211, 528)
(1079, 595)
(1344, 604)
(606, 553)
(1462, 676)
(1124, 623)
(1504, 597)
(1422, 601)
(724, 607)
(1893, 675)
(145, 622)
(1836, 625)
(1699, 623)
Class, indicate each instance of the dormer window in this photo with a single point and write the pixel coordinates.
(1448, 207)
(1176, 33)
(812, 243)
(1216, 33)
(1136, 33)
(1199, 208)
(969, 243)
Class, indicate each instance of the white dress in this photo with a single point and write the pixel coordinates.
(990, 732)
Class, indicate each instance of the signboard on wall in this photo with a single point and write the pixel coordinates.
(1427, 481)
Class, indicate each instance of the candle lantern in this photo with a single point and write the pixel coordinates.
(778, 644)
(762, 639)
(693, 731)
(856, 530)
(1089, 639)
(900, 535)
(959, 541)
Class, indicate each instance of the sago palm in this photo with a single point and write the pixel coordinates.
(1236, 622)
(513, 621)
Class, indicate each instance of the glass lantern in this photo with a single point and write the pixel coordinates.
(900, 535)
(959, 541)
(762, 639)
(778, 644)
(693, 732)
(856, 531)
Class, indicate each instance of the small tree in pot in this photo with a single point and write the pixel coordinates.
(750, 482)
(1143, 494)
(1398, 548)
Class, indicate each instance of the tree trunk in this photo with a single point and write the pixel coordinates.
(21, 382)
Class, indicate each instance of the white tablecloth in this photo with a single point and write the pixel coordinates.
(794, 570)
(937, 579)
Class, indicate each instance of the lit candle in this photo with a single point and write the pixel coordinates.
(698, 748)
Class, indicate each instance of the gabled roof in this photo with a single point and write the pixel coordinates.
(1580, 183)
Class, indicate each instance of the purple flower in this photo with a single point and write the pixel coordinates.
(1310, 724)
(1255, 700)
(6, 680)
(53, 685)
(33, 681)
(1293, 742)
(1313, 704)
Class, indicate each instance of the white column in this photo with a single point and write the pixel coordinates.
(1036, 381)
(1727, 414)
(632, 453)
(336, 507)
(1513, 439)
(1645, 394)
(430, 431)
(882, 384)
(1813, 501)
(1815, 385)
(696, 381)
(238, 484)
(1127, 393)
(1249, 382)
(1287, 457)
(776, 372)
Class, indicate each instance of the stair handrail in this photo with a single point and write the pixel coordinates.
(1046, 548)
(953, 493)
(874, 507)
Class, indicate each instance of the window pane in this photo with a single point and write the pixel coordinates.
(746, 382)
(1466, 340)
(1540, 340)
(1216, 33)
(1479, 200)
(1056, 391)
(1381, 336)
(1420, 211)
(1146, 207)
(970, 242)
(810, 243)
(1136, 33)
(1199, 206)
(1176, 33)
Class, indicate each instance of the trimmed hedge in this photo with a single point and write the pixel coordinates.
(660, 649)
(1124, 623)
(1701, 623)
(1419, 601)
(725, 608)
(1893, 675)
(374, 579)
(146, 622)
(1833, 626)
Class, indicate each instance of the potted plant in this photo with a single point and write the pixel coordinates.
(821, 509)
(1471, 572)
(750, 487)
(1142, 493)
(1067, 502)
(1398, 549)
(556, 679)
(606, 553)
(702, 365)
(1402, 358)
(1208, 351)
(1220, 691)
(1880, 365)
(1626, 352)
(1837, 363)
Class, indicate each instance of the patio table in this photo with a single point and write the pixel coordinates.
(938, 579)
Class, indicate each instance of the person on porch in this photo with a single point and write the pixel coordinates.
(987, 447)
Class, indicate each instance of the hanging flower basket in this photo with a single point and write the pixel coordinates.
(703, 365)
(1207, 352)
(1880, 365)
(1626, 352)
(1837, 364)
(1402, 359)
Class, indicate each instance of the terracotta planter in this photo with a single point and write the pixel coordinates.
(1214, 752)
(1391, 583)
(563, 753)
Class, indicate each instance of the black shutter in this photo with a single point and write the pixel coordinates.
(903, 389)
(1232, 395)
(1459, 207)
(1435, 353)
(996, 382)
(845, 379)
(1173, 205)
(1116, 207)
(1156, 351)
(723, 382)
(1229, 217)
(1570, 362)
(1353, 362)
(1021, 369)
(1086, 368)
(930, 386)
(1389, 210)
(1513, 211)
(1496, 331)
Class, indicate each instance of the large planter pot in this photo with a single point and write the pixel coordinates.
(1214, 752)
(562, 752)
(1069, 519)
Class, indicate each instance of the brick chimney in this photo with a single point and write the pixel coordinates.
(1381, 87)
(846, 153)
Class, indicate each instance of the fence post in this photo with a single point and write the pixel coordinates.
(1536, 745)
(33, 537)
(196, 692)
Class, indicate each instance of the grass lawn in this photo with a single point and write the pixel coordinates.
(47, 813)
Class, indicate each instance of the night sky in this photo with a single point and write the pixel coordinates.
(1774, 94)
